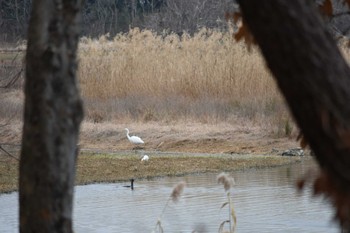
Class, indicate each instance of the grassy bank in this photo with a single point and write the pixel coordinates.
(112, 168)
(8, 175)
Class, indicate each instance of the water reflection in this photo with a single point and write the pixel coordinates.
(265, 200)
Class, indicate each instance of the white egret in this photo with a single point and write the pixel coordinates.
(134, 139)
(145, 158)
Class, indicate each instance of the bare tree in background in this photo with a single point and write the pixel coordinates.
(111, 16)
(14, 16)
(189, 15)
(315, 80)
(52, 117)
(338, 21)
(101, 18)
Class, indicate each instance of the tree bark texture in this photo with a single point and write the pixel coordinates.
(315, 80)
(52, 116)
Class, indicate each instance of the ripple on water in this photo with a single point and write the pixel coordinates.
(264, 200)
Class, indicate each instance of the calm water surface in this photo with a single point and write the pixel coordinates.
(265, 200)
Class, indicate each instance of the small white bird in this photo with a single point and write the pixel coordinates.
(134, 139)
(145, 158)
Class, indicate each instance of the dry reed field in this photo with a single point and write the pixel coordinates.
(141, 76)
(208, 78)
(200, 93)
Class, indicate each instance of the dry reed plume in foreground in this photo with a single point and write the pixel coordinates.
(174, 196)
(223, 178)
(228, 183)
(208, 77)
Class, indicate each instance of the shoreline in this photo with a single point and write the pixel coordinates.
(95, 168)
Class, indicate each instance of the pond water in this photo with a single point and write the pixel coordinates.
(265, 200)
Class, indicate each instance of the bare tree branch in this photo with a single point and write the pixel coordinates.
(7, 153)
(13, 80)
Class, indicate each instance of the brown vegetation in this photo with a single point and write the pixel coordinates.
(201, 94)
(142, 76)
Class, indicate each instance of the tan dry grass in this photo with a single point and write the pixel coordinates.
(11, 105)
(190, 136)
(142, 63)
(144, 76)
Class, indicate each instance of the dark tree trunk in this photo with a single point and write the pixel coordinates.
(315, 80)
(52, 116)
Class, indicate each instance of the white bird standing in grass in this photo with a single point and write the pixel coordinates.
(134, 139)
(145, 158)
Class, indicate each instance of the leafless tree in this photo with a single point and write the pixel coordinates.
(14, 15)
(315, 80)
(52, 116)
(190, 15)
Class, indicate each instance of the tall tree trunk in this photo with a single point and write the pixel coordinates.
(315, 80)
(52, 117)
(133, 11)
